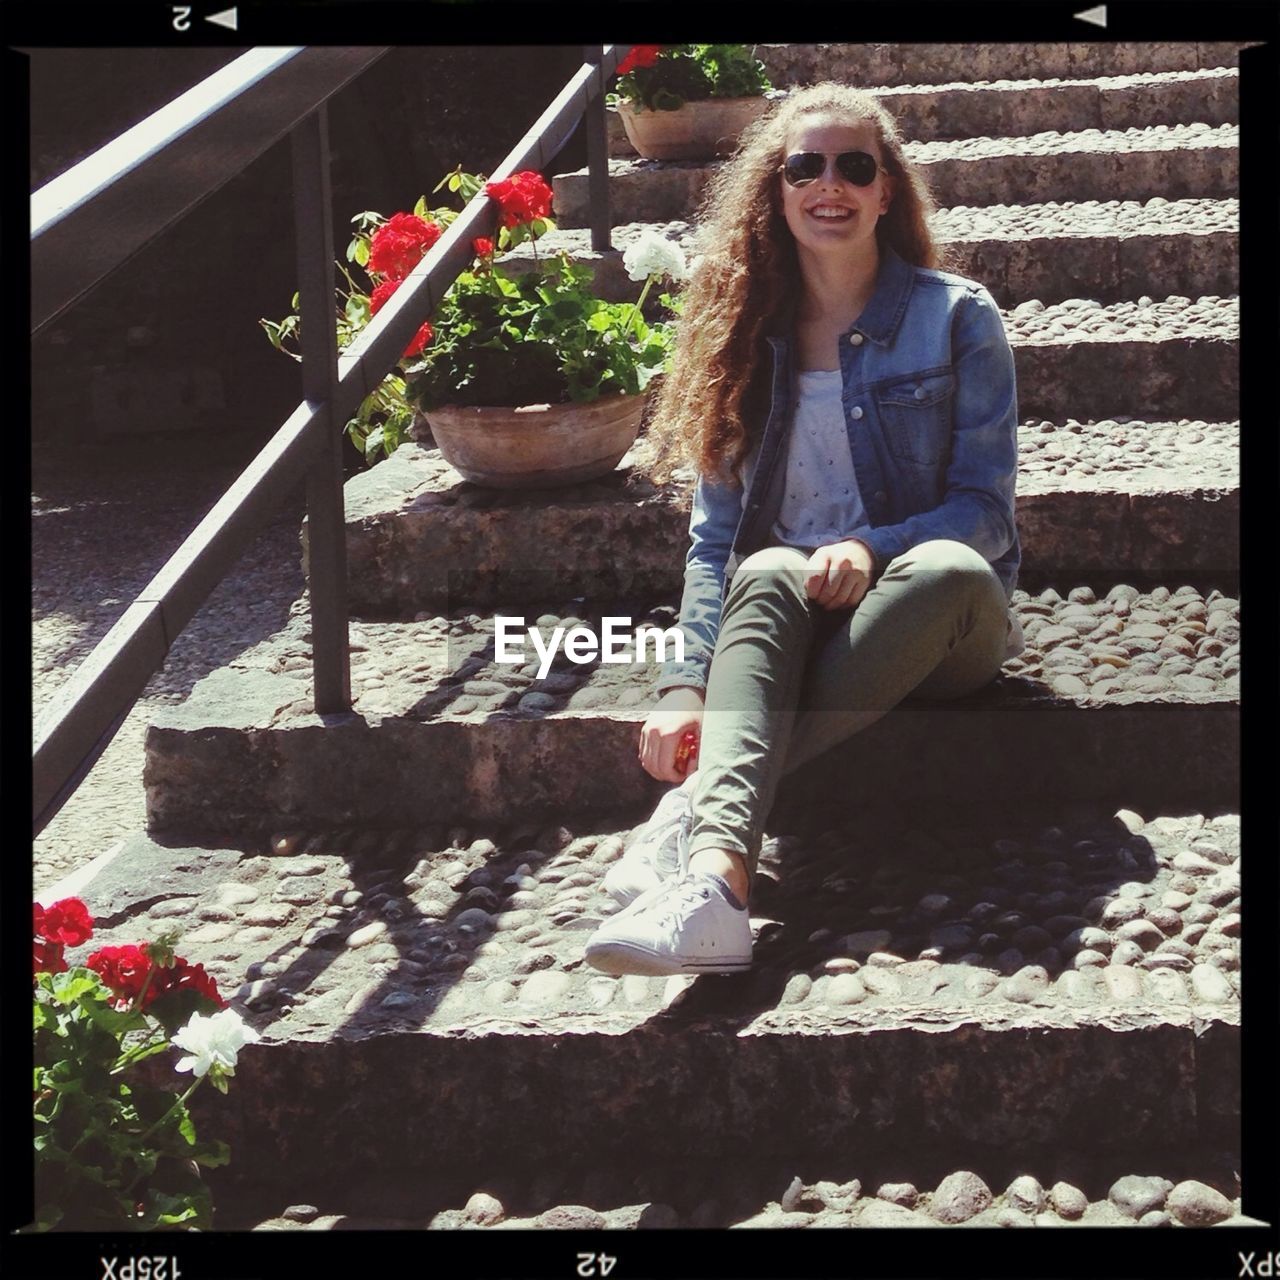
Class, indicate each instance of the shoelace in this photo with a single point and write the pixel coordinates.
(684, 896)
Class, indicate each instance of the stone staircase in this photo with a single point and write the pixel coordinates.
(1041, 957)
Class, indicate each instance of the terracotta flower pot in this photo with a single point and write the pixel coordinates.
(696, 131)
(537, 446)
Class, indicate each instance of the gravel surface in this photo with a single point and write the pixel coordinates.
(98, 537)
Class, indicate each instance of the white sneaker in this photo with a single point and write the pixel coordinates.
(655, 852)
(682, 926)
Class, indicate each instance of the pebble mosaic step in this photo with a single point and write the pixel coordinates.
(1124, 693)
(1068, 974)
(1006, 108)
(612, 1199)
(1173, 357)
(1102, 497)
(1106, 250)
(924, 64)
(1174, 161)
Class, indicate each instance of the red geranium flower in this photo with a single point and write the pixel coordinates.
(378, 298)
(482, 247)
(67, 921)
(523, 197)
(122, 969)
(398, 245)
(641, 55)
(47, 957)
(181, 977)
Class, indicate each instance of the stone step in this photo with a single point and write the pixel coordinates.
(1109, 251)
(1179, 161)
(927, 64)
(970, 979)
(1143, 497)
(1134, 694)
(1006, 108)
(1177, 357)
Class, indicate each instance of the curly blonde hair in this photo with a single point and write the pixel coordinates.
(748, 275)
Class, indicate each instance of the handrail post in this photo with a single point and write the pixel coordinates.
(326, 520)
(597, 159)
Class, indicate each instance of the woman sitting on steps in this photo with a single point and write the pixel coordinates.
(851, 413)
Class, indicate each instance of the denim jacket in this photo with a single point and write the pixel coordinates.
(930, 407)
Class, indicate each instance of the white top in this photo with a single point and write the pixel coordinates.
(820, 501)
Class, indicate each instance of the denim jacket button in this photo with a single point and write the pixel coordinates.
(919, 393)
(856, 412)
(855, 339)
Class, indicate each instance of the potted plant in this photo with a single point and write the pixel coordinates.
(526, 379)
(689, 101)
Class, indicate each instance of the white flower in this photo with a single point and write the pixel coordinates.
(213, 1041)
(654, 255)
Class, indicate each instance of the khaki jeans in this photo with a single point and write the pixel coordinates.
(789, 679)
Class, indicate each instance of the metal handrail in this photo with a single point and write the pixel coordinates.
(94, 217)
(89, 709)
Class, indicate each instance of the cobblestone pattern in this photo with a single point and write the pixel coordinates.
(1104, 250)
(1191, 161)
(984, 918)
(1156, 216)
(1083, 319)
(1159, 137)
(897, 64)
(1160, 643)
(927, 112)
(1128, 455)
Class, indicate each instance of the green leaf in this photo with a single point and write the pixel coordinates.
(357, 310)
(420, 207)
(213, 1154)
(362, 252)
(71, 985)
(115, 1021)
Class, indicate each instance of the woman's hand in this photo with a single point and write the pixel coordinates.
(840, 574)
(679, 711)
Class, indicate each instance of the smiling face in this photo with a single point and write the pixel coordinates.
(830, 215)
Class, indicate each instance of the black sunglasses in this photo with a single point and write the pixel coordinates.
(854, 166)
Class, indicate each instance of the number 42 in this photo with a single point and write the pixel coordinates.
(588, 1262)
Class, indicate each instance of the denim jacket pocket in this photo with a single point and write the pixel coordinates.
(916, 415)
